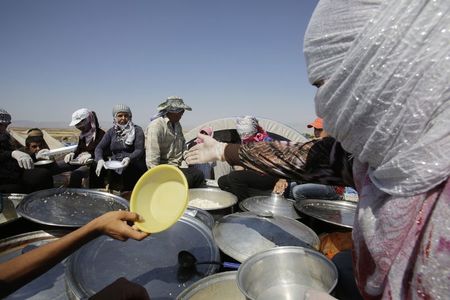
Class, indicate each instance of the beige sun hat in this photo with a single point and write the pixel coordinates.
(173, 103)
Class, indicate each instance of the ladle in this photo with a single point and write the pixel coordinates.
(187, 260)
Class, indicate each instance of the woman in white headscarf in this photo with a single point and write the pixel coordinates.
(383, 72)
(124, 142)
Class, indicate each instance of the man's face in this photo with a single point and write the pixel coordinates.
(3, 127)
(34, 147)
(174, 117)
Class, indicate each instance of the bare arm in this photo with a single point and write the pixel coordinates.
(24, 268)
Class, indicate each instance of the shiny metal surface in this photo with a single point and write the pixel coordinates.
(275, 203)
(68, 207)
(337, 212)
(241, 235)
(50, 285)
(220, 286)
(286, 273)
(152, 262)
(9, 204)
(202, 215)
(217, 202)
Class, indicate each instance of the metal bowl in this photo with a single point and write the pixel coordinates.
(218, 286)
(213, 200)
(275, 203)
(286, 273)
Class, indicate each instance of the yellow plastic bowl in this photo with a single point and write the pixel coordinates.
(160, 197)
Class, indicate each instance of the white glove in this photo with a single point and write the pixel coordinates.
(43, 154)
(69, 157)
(208, 151)
(125, 162)
(100, 165)
(24, 160)
(84, 157)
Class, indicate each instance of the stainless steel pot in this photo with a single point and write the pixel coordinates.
(286, 273)
(241, 235)
(51, 284)
(220, 286)
(217, 202)
(275, 203)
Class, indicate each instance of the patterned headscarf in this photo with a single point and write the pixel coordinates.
(249, 130)
(124, 133)
(5, 117)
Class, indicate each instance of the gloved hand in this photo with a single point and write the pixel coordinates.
(100, 165)
(208, 151)
(125, 162)
(24, 160)
(43, 154)
(84, 157)
(69, 157)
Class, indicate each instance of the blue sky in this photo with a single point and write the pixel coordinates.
(225, 58)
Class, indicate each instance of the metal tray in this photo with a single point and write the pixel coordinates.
(50, 285)
(337, 212)
(67, 207)
(152, 262)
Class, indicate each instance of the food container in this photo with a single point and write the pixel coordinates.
(217, 202)
(286, 273)
(275, 203)
(51, 284)
(220, 286)
(152, 262)
(241, 235)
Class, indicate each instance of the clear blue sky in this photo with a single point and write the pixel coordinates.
(225, 58)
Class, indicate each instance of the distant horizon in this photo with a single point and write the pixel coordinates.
(224, 58)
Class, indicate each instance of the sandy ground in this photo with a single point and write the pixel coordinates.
(65, 135)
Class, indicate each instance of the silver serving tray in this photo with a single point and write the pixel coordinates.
(68, 207)
(337, 212)
(152, 262)
(241, 235)
(50, 285)
(276, 204)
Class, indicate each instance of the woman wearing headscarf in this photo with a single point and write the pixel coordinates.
(124, 142)
(383, 72)
(79, 161)
(240, 179)
(17, 172)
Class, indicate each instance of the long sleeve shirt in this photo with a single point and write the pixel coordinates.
(118, 150)
(165, 143)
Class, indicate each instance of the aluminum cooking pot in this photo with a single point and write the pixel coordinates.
(275, 203)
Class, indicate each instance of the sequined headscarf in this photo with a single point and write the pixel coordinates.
(386, 95)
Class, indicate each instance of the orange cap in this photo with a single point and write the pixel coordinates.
(318, 123)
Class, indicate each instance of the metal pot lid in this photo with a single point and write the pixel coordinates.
(275, 203)
(211, 198)
(68, 207)
(240, 235)
(220, 286)
(337, 212)
(152, 262)
(200, 214)
(51, 284)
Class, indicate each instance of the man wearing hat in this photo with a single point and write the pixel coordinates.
(17, 172)
(165, 141)
(317, 124)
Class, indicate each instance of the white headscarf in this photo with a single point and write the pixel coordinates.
(386, 97)
(246, 126)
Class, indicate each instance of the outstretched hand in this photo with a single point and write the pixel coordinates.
(209, 151)
(114, 224)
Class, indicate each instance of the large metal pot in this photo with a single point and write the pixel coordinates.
(220, 286)
(286, 273)
(241, 235)
(152, 262)
(68, 207)
(275, 203)
(51, 284)
(217, 202)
